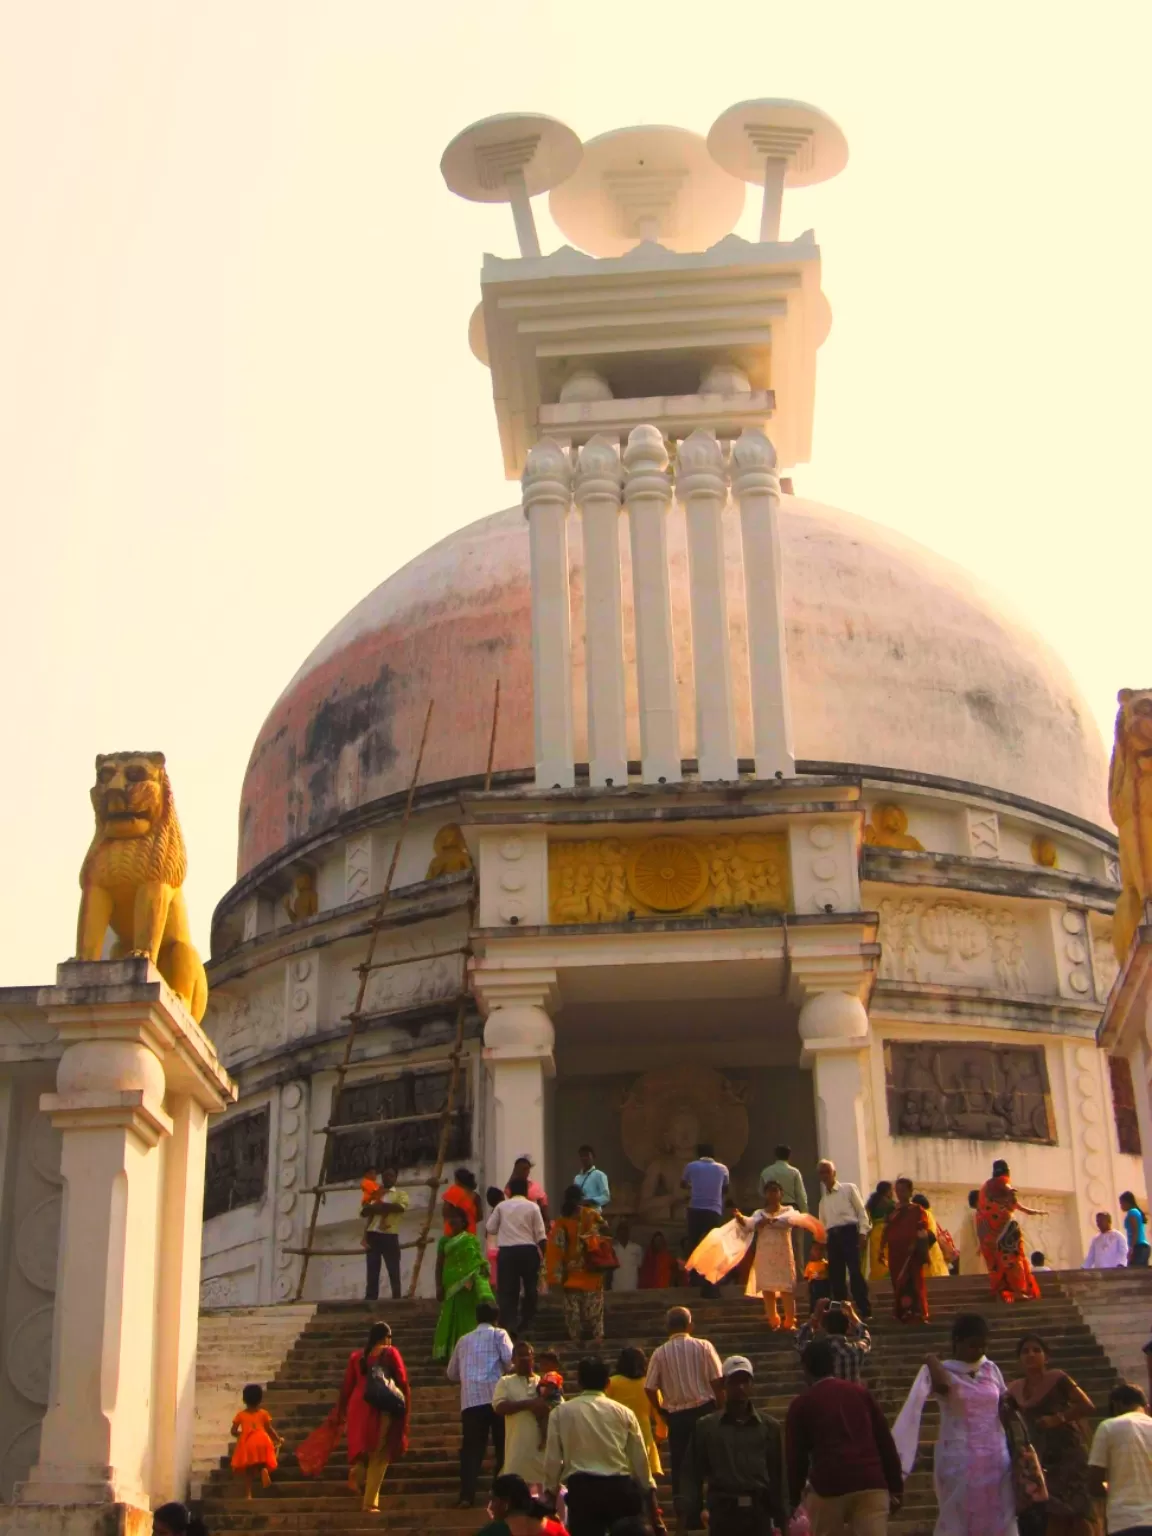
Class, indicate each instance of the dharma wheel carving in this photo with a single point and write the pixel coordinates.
(667, 874)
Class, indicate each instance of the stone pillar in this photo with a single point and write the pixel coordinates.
(598, 478)
(518, 1056)
(648, 492)
(701, 487)
(1142, 1092)
(136, 1070)
(546, 495)
(757, 489)
(835, 1039)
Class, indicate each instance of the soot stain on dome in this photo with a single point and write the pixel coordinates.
(362, 718)
(987, 709)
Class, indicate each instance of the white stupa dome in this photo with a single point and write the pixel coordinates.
(897, 659)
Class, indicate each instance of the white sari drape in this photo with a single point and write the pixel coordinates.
(972, 1467)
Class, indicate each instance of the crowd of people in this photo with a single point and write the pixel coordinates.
(1011, 1458)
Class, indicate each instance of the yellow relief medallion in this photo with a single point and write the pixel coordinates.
(667, 874)
(616, 879)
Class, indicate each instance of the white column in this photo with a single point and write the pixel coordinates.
(598, 480)
(518, 1044)
(774, 171)
(835, 1036)
(94, 1438)
(701, 487)
(178, 1296)
(648, 493)
(118, 1423)
(546, 494)
(756, 487)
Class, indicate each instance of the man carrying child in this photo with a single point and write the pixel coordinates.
(384, 1206)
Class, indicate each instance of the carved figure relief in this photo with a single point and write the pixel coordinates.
(247, 1025)
(450, 854)
(1130, 804)
(304, 901)
(975, 1092)
(663, 1117)
(133, 872)
(952, 940)
(605, 880)
(888, 828)
(1124, 1105)
(236, 1168)
(398, 1146)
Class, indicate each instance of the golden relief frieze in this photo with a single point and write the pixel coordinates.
(603, 880)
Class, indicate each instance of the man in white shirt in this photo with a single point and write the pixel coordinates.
(515, 1402)
(1121, 1458)
(518, 1228)
(1108, 1249)
(684, 1382)
(845, 1219)
(595, 1447)
(629, 1255)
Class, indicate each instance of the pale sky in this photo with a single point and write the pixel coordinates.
(236, 391)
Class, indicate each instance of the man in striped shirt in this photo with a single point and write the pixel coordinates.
(478, 1362)
(684, 1382)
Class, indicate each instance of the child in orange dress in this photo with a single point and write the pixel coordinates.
(816, 1274)
(257, 1442)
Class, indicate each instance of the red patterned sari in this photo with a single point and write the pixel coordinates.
(905, 1244)
(1002, 1242)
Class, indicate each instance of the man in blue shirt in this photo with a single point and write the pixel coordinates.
(707, 1182)
(591, 1183)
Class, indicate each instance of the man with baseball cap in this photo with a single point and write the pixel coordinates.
(738, 1455)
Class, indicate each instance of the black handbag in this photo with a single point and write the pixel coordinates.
(382, 1393)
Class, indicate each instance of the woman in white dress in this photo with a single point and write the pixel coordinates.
(774, 1267)
(972, 1465)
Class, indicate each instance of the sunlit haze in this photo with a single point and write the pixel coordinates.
(236, 391)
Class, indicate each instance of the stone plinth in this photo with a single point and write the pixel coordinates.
(136, 1083)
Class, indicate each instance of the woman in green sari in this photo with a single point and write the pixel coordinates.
(461, 1283)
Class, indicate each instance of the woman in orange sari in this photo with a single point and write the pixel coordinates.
(567, 1267)
(1001, 1240)
(904, 1251)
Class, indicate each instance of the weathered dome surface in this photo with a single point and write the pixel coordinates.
(897, 658)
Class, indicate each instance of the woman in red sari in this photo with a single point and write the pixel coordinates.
(375, 1439)
(1001, 1240)
(904, 1249)
(658, 1266)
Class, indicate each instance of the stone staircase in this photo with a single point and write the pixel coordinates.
(236, 1345)
(420, 1491)
(1117, 1306)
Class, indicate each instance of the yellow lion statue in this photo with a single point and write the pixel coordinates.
(131, 877)
(1130, 802)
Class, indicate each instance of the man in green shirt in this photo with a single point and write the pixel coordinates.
(738, 1454)
(790, 1179)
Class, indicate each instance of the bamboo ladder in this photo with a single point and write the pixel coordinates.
(323, 1187)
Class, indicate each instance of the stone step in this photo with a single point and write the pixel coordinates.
(419, 1493)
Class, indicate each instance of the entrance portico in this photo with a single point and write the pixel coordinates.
(773, 1001)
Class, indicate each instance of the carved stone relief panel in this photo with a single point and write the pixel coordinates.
(238, 1289)
(245, 1025)
(236, 1169)
(411, 984)
(969, 1091)
(358, 867)
(291, 1176)
(950, 940)
(302, 994)
(1105, 966)
(824, 875)
(1124, 1105)
(513, 878)
(1073, 953)
(1086, 1096)
(399, 1146)
(983, 833)
(603, 880)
